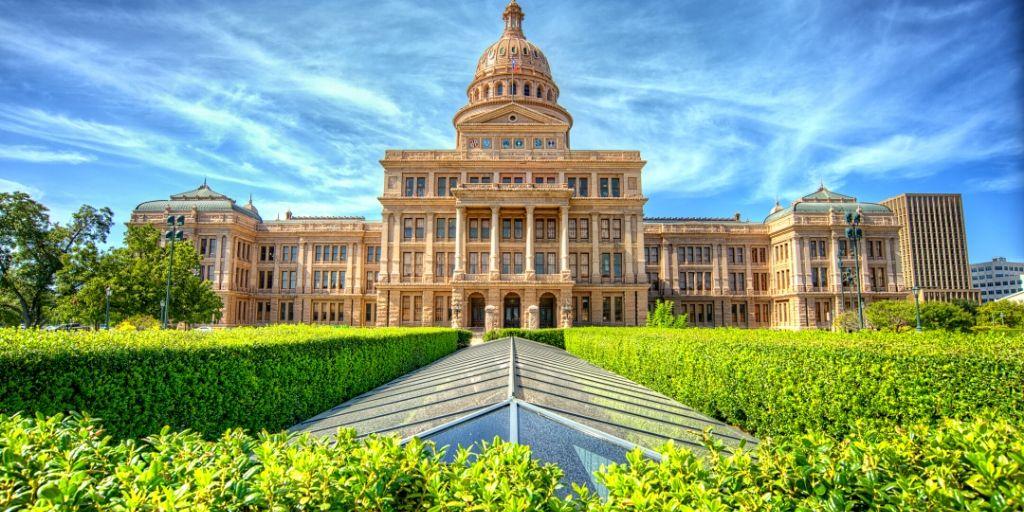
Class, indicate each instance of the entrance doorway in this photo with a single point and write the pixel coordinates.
(476, 310)
(512, 307)
(547, 311)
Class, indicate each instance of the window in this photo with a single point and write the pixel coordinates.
(506, 229)
(735, 255)
(610, 187)
(410, 184)
(263, 311)
(581, 308)
(605, 229)
(266, 253)
(517, 229)
(526, 90)
(506, 143)
(506, 263)
(500, 89)
(652, 254)
(544, 263)
(373, 254)
(288, 279)
(287, 311)
(538, 144)
(611, 310)
(579, 185)
(617, 229)
(265, 279)
(445, 184)
(474, 229)
(819, 277)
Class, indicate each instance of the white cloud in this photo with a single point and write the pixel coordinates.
(14, 186)
(42, 155)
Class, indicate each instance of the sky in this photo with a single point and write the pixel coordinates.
(734, 104)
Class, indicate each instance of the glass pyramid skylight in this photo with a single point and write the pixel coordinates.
(568, 411)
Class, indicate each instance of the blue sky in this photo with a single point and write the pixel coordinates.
(733, 103)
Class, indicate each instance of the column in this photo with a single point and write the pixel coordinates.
(460, 237)
(395, 269)
(796, 264)
(357, 279)
(629, 272)
(529, 241)
(563, 239)
(385, 260)
(720, 282)
(640, 263)
(495, 219)
(890, 267)
(673, 254)
(805, 255)
(349, 274)
(865, 271)
(663, 269)
(837, 279)
(428, 257)
(748, 276)
(595, 252)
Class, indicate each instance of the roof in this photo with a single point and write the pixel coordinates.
(568, 411)
(681, 220)
(203, 199)
(822, 201)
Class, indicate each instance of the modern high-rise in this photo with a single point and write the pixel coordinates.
(933, 245)
(997, 278)
(515, 227)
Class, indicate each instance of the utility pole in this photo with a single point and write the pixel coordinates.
(172, 234)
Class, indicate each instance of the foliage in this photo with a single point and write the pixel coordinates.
(1001, 312)
(254, 378)
(953, 465)
(776, 382)
(553, 337)
(946, 316)
(138, 323)
(664, 316)
(33, 249)
(847, 321)
(890, 315)
(68, 463)
(465, 337)
(136, 274)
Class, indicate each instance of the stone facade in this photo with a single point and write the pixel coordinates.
(513, 227)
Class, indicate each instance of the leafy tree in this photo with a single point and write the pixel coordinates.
(945, 316)
(847, 321)
(890, 315)
(663, 316)
(1001, 312)
(33, 250)
(137, 277)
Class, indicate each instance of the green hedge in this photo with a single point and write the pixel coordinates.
(67, 463)
(252, 378)
(779, 382)
(553, 337)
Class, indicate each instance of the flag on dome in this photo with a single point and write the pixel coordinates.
(515, 65)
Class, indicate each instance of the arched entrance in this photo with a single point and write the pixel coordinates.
(477, 303)
(511, 311)
(547, 311)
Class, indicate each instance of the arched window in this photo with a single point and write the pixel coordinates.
(500, 90)
(539, 92)
(526, 90)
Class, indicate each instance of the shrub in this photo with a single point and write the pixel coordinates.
(553, 337)
(775, 382)
(68, 463)
(253, 378)
(890, 315)
(1002, 313)
(945, 316)
(465, 337)
(138, 323)
(664, 316)
(847, 321)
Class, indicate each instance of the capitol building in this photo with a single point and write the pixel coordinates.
(516, 228)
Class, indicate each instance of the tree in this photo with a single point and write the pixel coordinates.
(847, 321)
(1001, 312)
(33, 250)
(894, 315)
(137, 276)
(663, 316)
(946, 316)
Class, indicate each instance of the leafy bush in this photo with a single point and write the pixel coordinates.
(465, 337)
(253, 378)
(68, 463)
(553, 337)
(138, 323)
(664, 316)
(890, 315)
(1001, 313)
(946, 316)
(775, 382)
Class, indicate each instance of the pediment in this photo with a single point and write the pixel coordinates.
(523, 116)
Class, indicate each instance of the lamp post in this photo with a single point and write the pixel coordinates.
(917, 307)
(172, 234)
(106, 314)
(854, 233)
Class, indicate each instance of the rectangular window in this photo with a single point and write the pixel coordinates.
(407, 228)
(552, 230)
(606, 264)
(506, 263)
(439, 228)
(605, 191)
(517, 227)
(617, 229)
(615, 187)
(421, 187)
(474, 229)
(420, 228)
(518, 262)
(572, 229)
(605, 229)
(506, 229)
(409, 187)
(584, 229)
(485, 229)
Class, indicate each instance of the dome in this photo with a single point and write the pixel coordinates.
(513, 44)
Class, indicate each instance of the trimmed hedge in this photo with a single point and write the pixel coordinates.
(68, 463)
(553, 337)
(252, 378)
(780, 383)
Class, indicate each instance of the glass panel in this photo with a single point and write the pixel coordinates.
(578, 454)
(470, 433)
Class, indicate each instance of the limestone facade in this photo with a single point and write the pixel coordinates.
(513, 227)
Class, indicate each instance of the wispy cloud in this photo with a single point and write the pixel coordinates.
(42, 155)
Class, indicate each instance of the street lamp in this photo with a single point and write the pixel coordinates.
(106, 315)
(917, 307)
(173, 234)
(854, 233)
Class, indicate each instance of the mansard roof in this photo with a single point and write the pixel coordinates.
(824, 200)
(568, 411)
